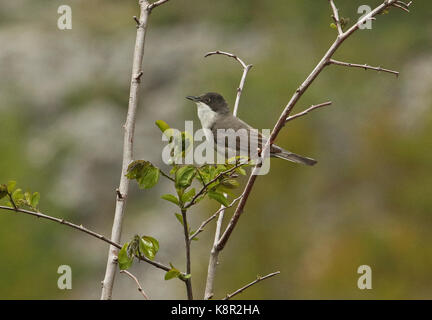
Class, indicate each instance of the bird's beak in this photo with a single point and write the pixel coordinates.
(194, 99)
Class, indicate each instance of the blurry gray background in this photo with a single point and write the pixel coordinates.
(63, 100)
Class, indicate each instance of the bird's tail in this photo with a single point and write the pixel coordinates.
(286, 155)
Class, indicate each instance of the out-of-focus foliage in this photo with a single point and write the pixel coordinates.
(63, 100)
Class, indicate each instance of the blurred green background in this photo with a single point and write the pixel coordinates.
(63, 100)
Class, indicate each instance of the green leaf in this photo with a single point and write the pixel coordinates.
(27, 197)
(179, 218)
(241, 171)
(150, 178)
(124, 259)
(35, 199)
(170, 198)
(11, 186)
(3, 191)
(333, 26)
(184, 176)
(187, 276)
(162, 125)
(173, 273)
(17, 195)
(219, 197)
(187, 196)
(145, 173)
(230, 184)
(149, 246)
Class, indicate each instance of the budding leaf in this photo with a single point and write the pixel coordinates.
(171, 274)
(3, 191)
(35, 199)
(184, 176)
(124, 259)
(219, 197)
(187, 196)
(179, 218)
(333, 25)
(149, 246)
(162, 125)
(230, 184)
(17, 195)
(170, 198)
(145, 173)
(11, 186)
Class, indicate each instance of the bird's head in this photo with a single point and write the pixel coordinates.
(213, 100)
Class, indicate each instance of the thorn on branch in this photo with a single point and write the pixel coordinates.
(119, 195)
(138, 23)
(138, 76)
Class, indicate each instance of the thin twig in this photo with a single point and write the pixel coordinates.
(166, 175)
(85, 230)
(336, 17)
(246, 68)
(156, 4)
(258, 279)
(303, 113)
(140, 289)
(213, 216)
(205, 186)
(188, 281)
(362, 66)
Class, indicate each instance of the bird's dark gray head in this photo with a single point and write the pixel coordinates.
(214, 100)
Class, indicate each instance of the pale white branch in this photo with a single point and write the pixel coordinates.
(153, 5)
(336, 17)
(140, 289)
(246, 68)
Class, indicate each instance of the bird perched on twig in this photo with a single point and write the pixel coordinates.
(214, 114)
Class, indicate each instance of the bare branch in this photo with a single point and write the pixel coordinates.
(258, 279)
(213, 216)
(336, 17)
(246, 68)
(85, 230)
(214, 257)
(140, 289)
(303, 113)
(153, 5)
(108, 282)
(362, 66)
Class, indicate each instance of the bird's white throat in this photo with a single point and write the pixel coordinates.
(206, 115)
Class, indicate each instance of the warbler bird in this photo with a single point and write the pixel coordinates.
(215, 115)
